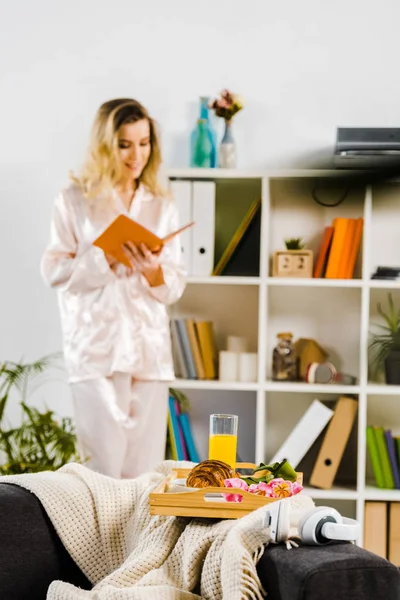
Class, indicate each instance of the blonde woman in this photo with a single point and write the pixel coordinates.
(114, 319)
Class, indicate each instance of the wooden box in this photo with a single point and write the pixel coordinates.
(205, 502)
(293, 263)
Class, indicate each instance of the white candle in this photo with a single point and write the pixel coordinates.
(248, 366)
(228, 366)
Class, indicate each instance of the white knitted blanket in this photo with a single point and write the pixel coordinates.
(106, 526)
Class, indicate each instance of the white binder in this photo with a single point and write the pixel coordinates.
(304, 434)
(204, 228)
(182, 194)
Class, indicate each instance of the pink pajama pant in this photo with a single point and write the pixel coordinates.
(121, 424)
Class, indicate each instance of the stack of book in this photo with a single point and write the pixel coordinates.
(194, 350)
(180, 439)
(384, 452)
(339, 249)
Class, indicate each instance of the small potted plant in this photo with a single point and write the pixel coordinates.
(384, 346)
(226, 108)
(295, 261)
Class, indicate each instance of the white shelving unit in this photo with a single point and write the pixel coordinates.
(337, 313)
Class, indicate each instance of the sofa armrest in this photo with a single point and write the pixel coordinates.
(32, 555)
(331, 572)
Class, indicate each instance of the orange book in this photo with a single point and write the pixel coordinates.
(340, 228)
(323, 252)
(355, 248)
(348, 244)
(123, 230)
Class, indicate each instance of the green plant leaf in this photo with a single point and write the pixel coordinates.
(41, 442)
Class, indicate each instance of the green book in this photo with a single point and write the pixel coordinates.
(374, 456)
(384, 457)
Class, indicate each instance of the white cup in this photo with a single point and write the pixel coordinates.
(228, 366)
(248, 366)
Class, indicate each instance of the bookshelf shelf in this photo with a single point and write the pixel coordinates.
(379, 495)
(336, 493)
(224, 280)
(336, 312)
(204, 384)
(215, 174)
(383, 390)
(316, 283)
(376, 284)
(310, 388)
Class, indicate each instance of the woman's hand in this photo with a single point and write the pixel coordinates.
(145, 262)
(116, 267)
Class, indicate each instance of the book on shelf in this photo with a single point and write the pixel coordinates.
(394, 533)
(320, 438)
(241, 256)
(382, 530)
(384, 453)
(194, 350)
(304, 434)
(339, 249)
(375, 528)
(180, 438)
(334, 443)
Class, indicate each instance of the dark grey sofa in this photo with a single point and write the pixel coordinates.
(32, 556)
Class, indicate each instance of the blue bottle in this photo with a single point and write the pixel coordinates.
(203, 146)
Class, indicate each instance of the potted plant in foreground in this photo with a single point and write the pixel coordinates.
(41, 442)
(384, 347)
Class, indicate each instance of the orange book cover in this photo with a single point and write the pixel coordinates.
(348, 244)
(323, 252)
(355, 248)
(123, 230)
(340, 227)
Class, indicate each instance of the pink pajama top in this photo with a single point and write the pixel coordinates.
(111, 322)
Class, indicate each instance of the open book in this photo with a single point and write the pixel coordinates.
(123, 229)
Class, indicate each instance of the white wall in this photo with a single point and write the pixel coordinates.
(303, 67)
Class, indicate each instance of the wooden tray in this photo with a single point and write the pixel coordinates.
(206, 502)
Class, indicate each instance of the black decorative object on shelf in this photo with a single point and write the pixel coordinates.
(391, 273)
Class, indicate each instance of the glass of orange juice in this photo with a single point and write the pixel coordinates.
(223, 438)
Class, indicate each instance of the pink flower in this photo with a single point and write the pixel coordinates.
(277, 488)
(281, 488)
(235, 482)
(296, 488)
(261, 489)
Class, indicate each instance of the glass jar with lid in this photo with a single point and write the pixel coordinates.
(284, 359)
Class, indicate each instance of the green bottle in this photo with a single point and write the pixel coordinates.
(202, 149)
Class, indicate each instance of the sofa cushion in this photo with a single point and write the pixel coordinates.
(32, 555)
(331, 572)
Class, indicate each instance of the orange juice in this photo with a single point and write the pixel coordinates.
(223, 447)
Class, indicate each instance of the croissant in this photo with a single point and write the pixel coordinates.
(210, 473)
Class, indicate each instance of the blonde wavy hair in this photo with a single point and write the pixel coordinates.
(101, 170)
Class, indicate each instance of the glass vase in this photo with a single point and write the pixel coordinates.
(227, 149)
(203, 144)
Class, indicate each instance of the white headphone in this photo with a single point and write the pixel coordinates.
(316, 527)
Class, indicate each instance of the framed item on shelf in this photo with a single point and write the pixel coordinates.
(293, 263)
